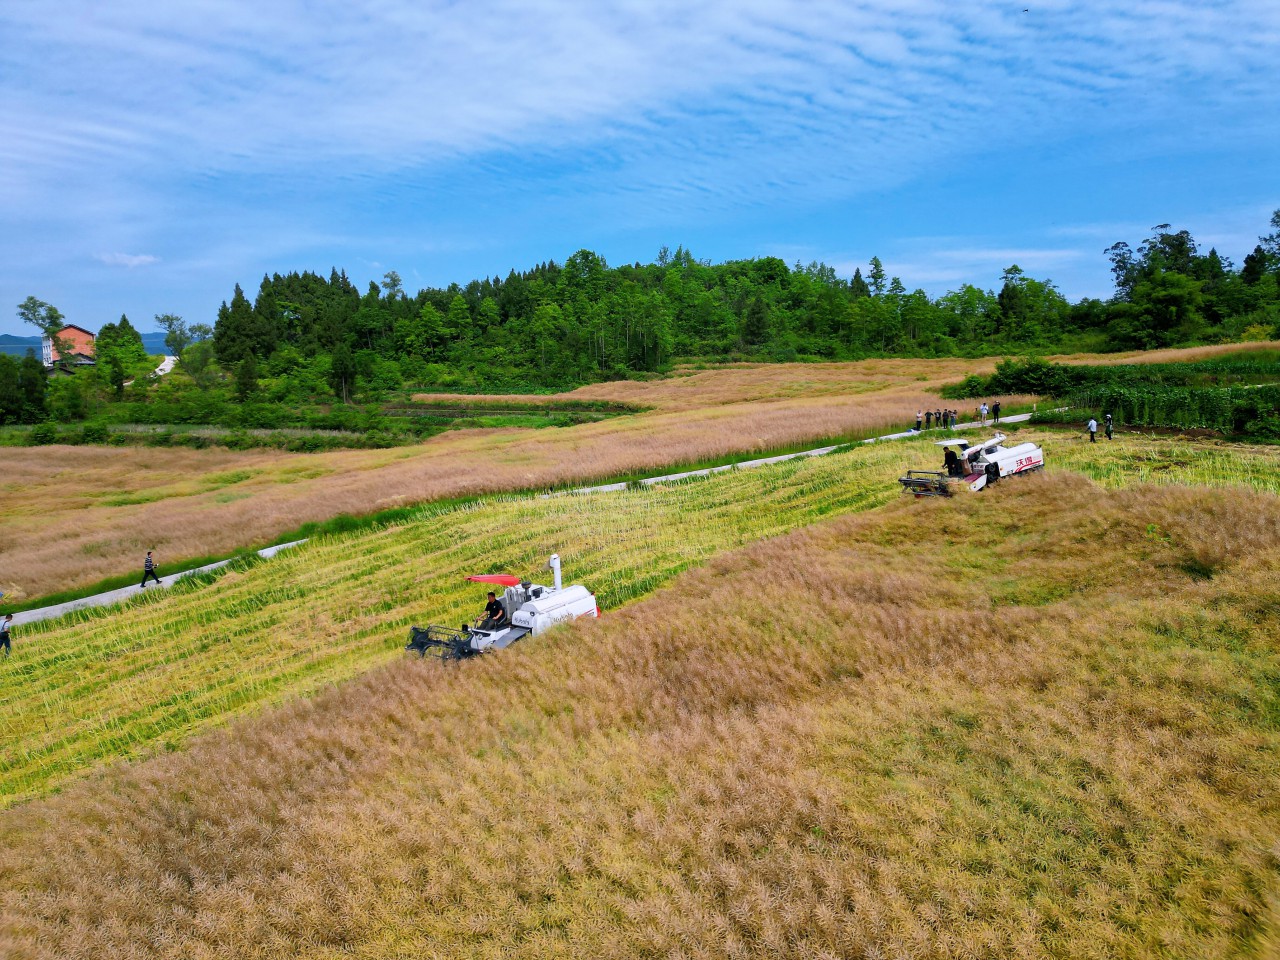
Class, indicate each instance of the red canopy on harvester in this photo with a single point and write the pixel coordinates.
(503, 579)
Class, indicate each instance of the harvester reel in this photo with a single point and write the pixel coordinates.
(442, 643)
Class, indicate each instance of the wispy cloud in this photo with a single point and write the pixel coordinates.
(837, 90)
(126, 259)
(321, 127)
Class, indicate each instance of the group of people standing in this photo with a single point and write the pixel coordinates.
(928, 419)
(946, 419)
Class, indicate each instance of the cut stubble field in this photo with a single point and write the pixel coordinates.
(1039, 722)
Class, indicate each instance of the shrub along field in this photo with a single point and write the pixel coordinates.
(1235, 394)
(1039, 722)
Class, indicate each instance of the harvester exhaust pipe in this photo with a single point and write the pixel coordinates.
(554, 564)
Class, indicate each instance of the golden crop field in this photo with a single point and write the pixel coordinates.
(171, 662)
(121, 682)
(1037, 722)
(71, 516)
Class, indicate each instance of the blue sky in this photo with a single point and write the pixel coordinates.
(154, 154)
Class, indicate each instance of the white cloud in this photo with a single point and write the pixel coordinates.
(135, 125)
(774, 90)
(129, 260)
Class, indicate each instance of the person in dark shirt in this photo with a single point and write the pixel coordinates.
(148, 570)
(951, 463)
(1107, 418)
(995, 411)
(494, 615)
(5, 626)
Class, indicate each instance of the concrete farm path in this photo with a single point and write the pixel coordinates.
(124, 593)
(165, 366)
(764, 461)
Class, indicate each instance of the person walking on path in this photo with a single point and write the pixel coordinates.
(919, 420)
(1093, 430)
(5, 626)
(148, 570)
(1107, 418)
(995, 411)
(982, 412)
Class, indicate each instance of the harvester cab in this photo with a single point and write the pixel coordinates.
(530, 609)
(973, 466)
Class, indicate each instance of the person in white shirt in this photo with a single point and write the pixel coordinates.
(1093, 430)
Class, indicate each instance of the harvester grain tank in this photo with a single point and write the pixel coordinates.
(529, 610)
(973, 466)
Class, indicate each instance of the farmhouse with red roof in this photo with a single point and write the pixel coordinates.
(79, 344)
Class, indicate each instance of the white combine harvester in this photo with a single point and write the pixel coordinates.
(528, 608)
(973, 466)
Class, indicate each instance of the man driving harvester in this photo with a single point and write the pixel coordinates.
(495, 615)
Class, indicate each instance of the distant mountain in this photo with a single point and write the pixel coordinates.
(18, 346)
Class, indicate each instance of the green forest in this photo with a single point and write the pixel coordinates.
(562, 325)
(315, 353)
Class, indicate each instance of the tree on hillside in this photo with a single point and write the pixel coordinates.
(970, 313)
(1163, 310)
(755, 325)
(48, 320)
(233, 333)
(857, 286)
(116, 374)
(197, 361)
(342, 373)
(177, 337)
(876, 277)
(33, 384)
(119, 338)
(246, 377)
(1255, 265)
(10, 390)
(1029, 308)
(457, 329)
